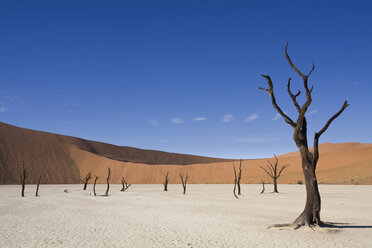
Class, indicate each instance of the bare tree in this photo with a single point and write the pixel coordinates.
(165, 182)
(263, 187)
(108, 181)
(125, 184)
(238, 177)
(37, 187)
(94, 185)
(184, 182)
(86, 180)
(311, 213)
(23, 179)
(273, 172)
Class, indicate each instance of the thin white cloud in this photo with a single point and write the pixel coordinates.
(254, 140)
(153, 122)
(312, 112)
(251, 118)
(176, 120)
(277, 116)
(2, 109)
(200, 118)
(227, 118)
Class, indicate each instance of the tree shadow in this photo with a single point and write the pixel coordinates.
(343, 225)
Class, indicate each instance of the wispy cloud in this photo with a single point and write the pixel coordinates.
(254, 140)
(153, 122)
(312, 112)
(75, 105)
(176, 120)
(277, 116)
(251, 118)
(227, 118)
(200, 118)
(2, 109)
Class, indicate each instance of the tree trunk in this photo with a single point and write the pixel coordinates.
(37, 188)
(311, 213)
(85, 185)
(165, 187)
(239, 193)
(275, 186)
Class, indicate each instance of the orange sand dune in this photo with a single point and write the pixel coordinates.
(63, 159)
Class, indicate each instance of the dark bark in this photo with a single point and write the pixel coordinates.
(108, 181)
(274, 172)
(37, 187)
(263, 187)
(23, 179)
(165, 182)
(184, 182)
(311, 212)
(235, 182)
(125, 184)
(86, 180)
(94, 185)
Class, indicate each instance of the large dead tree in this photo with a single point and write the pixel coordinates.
(108, 181)
(23, 179)
(311, 213)
(165, 182)
(125, 184)
(86, 180)
(94, 185)
(184, 182)
(37, 187)
(274, 172)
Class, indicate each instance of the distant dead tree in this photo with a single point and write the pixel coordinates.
(94, 185)
(165, 182)
(23, 179)
(125, 184)
(37, 187)
(311, 213)
(273, 172)
(108, 181)
(238, 177)
(263, 187)
(184, 182)
(86, 180)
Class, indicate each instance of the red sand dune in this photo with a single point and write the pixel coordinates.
(64, 159)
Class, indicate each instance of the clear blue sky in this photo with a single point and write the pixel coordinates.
(183, 76)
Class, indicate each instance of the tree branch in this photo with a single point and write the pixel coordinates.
(270, 91)
(318, 134)
(294, 97)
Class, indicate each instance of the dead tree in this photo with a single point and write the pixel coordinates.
(235, 182)
(165, 182)
(94, 185)
(23, 179)
(108, 181)
(273, 172)
(311, 213)
(238, 176)
(184, 182)
(37, 187)
(263, 187)
(86, 180)
(125, 184)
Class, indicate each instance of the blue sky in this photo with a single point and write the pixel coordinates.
(183, 76)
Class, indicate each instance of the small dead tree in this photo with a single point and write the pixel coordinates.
(184, 182)
(125, 184)
(108, 181)
(263, 187)
(165, 182)
(311, 213)
(273, 172)
(86, 180)
(94, 185)
(37, 187)
(23, 179)
(238, 177)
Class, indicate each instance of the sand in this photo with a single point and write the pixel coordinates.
(207, 216)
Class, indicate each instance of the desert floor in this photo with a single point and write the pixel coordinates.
(207, 216)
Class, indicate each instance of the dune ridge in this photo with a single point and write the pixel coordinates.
(65, 159)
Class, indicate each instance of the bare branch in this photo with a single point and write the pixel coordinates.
(266, 171)
(318, 134)
(294, 97)
(270, 91)
(291, 63)
(281, 170)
